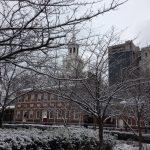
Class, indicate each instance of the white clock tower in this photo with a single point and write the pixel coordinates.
(73, 63)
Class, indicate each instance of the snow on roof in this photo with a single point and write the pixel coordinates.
(9, 107)
(123, 102)
(46, 88)
(27, 89)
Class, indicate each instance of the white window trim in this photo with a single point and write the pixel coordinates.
(45, 96)
(30, 114)
(32, 97)
(26, 98)
(58, 114)
(18, 113)
(66, 114)
(50, 115)
(25, 111)
(39, 99)
(74, 115)
(37, 115)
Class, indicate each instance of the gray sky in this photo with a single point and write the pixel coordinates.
(134, 17)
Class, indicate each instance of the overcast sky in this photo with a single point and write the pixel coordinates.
(134, 16)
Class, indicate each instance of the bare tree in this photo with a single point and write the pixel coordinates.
(36, 28)
(92, 93)
(135, 106)
(10, 85)
(30, 31)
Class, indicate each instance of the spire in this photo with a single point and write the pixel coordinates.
(73, 47)
(73, 40)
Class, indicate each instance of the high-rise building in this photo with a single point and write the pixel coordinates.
(123, 62)
(145, 61)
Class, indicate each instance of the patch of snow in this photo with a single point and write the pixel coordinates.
(122, 146)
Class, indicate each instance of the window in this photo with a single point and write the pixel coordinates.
(45, 104)
(32, 97)
(35, 97)
(66, 114)
(25, 105)
(20, 99)
(38, 114)
(18, 114)
(51, 114)
(74, 50)
(59, 114)
(75, 115)
(70, 50)
(67, 105)
(59, 104)
(63, 114)
(38, 105)
(31, 114)
(49, 96)
(54, 97)
(45, 96)
(60, 98)
(31, 105)
(19, 105)
(44, 113)
(52, 104)
(26, 99)
(39, 98)
(25, 114)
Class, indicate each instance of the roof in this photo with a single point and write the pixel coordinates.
(9, 107)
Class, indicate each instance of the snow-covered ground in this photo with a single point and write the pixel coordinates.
(23, 137)
(122, 145)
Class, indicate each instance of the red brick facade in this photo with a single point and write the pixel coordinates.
(46, 108)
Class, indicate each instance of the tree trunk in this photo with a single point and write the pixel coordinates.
(2, 117)
(100, 132)
(139, 130)
(1, 122)
(140, 138)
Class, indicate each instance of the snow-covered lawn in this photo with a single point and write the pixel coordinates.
(21, 138)
(15, 139)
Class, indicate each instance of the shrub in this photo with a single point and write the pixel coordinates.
(56, 139)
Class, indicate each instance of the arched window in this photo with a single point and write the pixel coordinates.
(70, 50)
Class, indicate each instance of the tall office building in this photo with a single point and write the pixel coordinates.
(123, 62)
(145, 61)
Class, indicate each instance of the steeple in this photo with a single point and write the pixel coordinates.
(73, 64)
(73, 47)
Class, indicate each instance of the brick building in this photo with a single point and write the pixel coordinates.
(46, 108)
